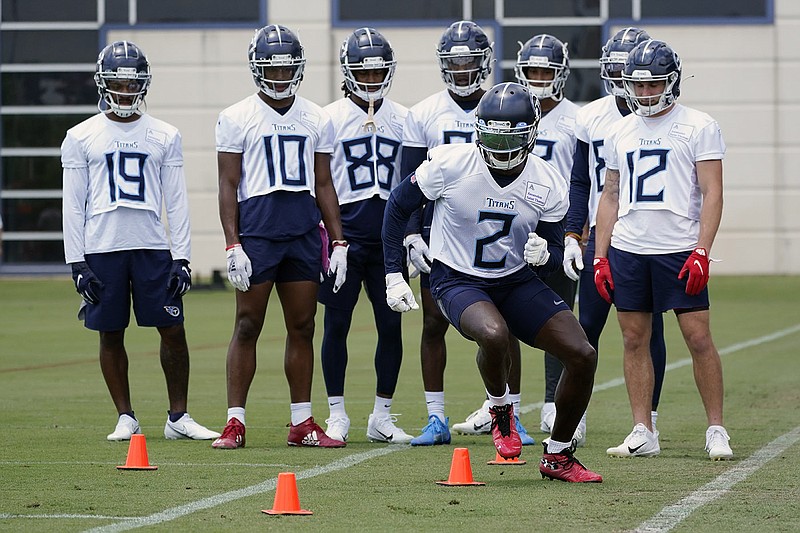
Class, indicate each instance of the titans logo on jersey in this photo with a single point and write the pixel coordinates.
(480, 228)
(124, 161)
(366, 163)
(438, 120)
(555, 142)
(656, 159)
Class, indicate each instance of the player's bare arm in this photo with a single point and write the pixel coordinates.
(709, 178)
(327, 200)
(607, 212)
(229, 169)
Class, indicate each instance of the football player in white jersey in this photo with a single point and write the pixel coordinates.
(497, 227)
(592, 123)
(465, 57)
(656, 221)
(368, 136)
(119, 167)
(273, 155)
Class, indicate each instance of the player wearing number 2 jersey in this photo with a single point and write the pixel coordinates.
(657, 218)
(273, 155)
(120, 166)
(368, 135)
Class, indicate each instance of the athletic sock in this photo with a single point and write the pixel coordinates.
(434, 401)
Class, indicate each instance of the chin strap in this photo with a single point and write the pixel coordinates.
(369, 125)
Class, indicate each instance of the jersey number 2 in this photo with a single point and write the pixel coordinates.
(504, 230)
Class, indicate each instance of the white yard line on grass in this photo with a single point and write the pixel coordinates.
(127, 523)
(672, 515)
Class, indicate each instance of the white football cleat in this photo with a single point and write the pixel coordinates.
(477, 423)
(126, 426)
(187, 428)
(717, 444)
(383, 429)
(338, 427)
(641, 442)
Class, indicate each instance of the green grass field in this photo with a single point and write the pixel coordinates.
(58, 471)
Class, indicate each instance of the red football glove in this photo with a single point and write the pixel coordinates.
(602, 278)
(696, 266)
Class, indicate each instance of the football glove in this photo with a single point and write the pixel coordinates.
(338, 264)
(419, 258)
(86, 283)
(696, 266)
(603, 280)
(573, 258)
(239, 267)
(536, 252)
(399, 295)
(180, 278)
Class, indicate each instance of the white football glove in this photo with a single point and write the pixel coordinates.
(239, 268)
(536, 252)
(419, 259)
(338, 265)
(572, 253)
(399, 295)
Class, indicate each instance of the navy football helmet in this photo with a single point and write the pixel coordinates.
(122, 76)
(273, 49)
(367, 49)
(465, 57)
(652, 61)
(507, 118)
(615, 53)
(543, 51)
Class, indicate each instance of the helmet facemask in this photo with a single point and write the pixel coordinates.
(460, 64)
(611, 67)
(542, 89)
(369, 90)
(650, 105)
(278, 76)
(503, 145)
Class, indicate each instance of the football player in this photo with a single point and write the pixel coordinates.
(120, 167)
(368, 136)
(592, 123)
(496, 231)
(465, 57)
(657, 218)
(273, 156)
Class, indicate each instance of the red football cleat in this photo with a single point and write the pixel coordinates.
(566, 467)
(308, 433)
(504, 431)
(232, 436)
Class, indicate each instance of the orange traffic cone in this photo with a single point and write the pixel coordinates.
(460, 470)
(286, 499)
(137, 455)
(500, 460)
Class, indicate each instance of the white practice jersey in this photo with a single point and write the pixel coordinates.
(115, 177)
(366, 163)
(480, 228)
(438, 120)
(592, 124)
(555, 141)
(659, 197)
(278, 149)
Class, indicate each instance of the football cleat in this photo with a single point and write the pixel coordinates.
(565, 467)
(641, 442)
(382, 429)
(504, 432)
(477, 423)
(232, 436)
(126, 426)
(308, 433)
(717, 444)
(187, 428)
(548, 417)
(436, 432)
(337, 427)
(526, 439)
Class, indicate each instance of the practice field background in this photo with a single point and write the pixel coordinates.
(58, 471)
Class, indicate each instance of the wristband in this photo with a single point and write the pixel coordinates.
(232, 246)
(573, 235)
(339, 243)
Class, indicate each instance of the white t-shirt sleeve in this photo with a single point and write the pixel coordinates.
(229, 135)
(430, 179)
(710, 145)
(327, 135)
(413, 132)
(75, 195)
